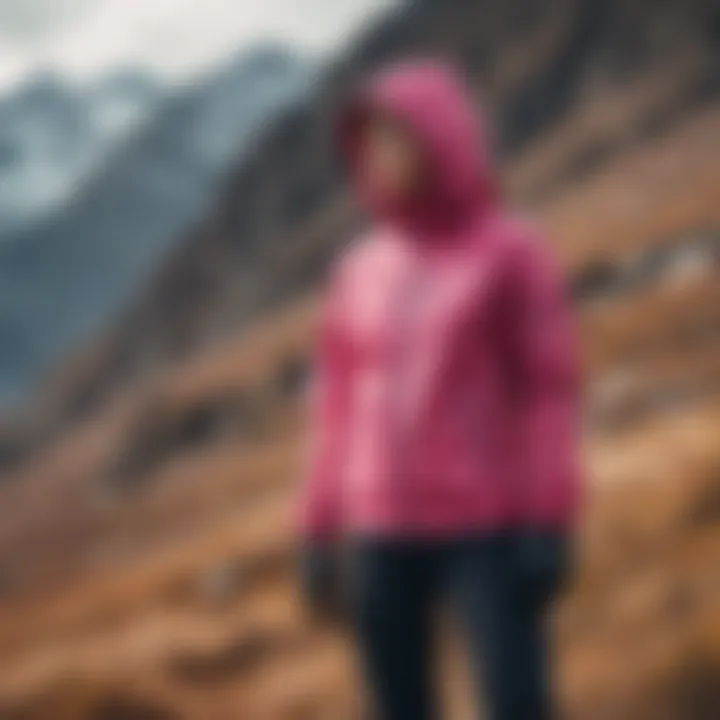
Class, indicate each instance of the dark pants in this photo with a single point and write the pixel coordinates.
(502, 619)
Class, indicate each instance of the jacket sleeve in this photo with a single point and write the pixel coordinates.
(320, 505)
(545, 387)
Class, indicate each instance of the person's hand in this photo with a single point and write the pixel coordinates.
(320, 581)
(544, 562)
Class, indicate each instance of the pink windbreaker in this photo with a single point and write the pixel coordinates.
(445, 394)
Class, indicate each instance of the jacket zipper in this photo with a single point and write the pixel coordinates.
(407, 319)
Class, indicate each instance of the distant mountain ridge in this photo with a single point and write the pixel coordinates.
(65, 277)
(54, 134)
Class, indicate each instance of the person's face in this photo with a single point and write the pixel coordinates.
(389, 158)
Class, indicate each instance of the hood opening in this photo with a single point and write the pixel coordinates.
(435, 106)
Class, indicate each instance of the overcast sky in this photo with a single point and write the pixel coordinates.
(174, 38)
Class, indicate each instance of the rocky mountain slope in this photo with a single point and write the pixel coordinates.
(145, 554)
(624, 71)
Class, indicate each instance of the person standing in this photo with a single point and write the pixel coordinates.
(444, 422)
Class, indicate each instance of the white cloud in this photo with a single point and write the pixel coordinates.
(31, 19)
(13, 64)
(177, 37)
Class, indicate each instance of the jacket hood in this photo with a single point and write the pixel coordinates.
(431, 100)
